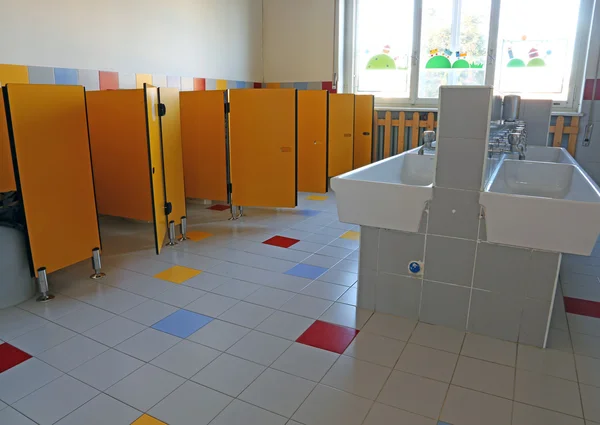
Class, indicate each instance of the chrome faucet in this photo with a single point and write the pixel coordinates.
(510, 138)
(428, 140)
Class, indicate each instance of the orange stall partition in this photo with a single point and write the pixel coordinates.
(341, 133)
(48, 134)
(118, 135)
(204, 147)
(364, 105)
(173, 157)
(263, 147)
(313, 110)
(7, 174)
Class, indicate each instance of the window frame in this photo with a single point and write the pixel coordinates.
(349, 75)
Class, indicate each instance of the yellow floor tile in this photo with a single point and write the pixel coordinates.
(198, 236)
(355, 236)
(316, 198)
(178, 274)
(147, 420)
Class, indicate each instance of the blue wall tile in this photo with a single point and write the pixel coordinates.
(65, 76)
(301, 86)
(240, 84)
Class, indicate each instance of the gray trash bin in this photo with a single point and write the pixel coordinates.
(16, 283)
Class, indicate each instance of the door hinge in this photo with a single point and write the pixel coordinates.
(227, 107)
(168, 208)
(229, 187)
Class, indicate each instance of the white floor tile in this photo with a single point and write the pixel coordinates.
(246, 314)
(427, 362)
(41, 339)
(114, 300)
(334, 251)
(586, 345)
(414, 393)
(145, 387)
(12, 417)
(382, 414)
(305, 361)
(207, 281)
(357, 377)
(143, 285)
(548, 361)
(375, 349)
(55, 400)
(346, 315)
(349, 297)
(15, 322)
(115, 331)
(190, 404)
(347, 266)
(328, 406)
(339, 277)
(72, 353)
(219, 335)
(390, 326)
(306, 306)
(237, 289)
(486, 377)
(548, 392)
(278, 392)
(229, 374)
(259, 347)
(148, 344)
(179, 295)
(59, 306)
(288, 283)
(467, 407)
(270, 297)
(101, 410)
(590, 397)
(438, 337)
(84, 318)
(149, 312)
(588, 370)
(490, 349)
(185, 358)
(106, 370)
(212, 305)
(240, 413)
(345, 243)
(524, 414)
(285, 325)
(325, 290)
(25, 378)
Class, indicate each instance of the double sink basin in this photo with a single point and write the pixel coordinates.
(546, 201)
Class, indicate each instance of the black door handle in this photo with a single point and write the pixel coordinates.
(366, 133)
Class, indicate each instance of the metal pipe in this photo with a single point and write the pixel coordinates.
(172, 234)
(183, 227)
(42, 279)
(96, 264)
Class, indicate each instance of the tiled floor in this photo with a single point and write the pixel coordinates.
(254, 322)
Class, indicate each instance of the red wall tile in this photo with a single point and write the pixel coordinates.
(328, 85)
(109, 80)
(199, 84)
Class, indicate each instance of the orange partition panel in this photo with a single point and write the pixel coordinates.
(312, 140)
(157, 168)
(203, 140)
(49, 135)
(341, 133)
(263, 147)
(364, 106)
(172, 151)
(117, 121)
(7, 175)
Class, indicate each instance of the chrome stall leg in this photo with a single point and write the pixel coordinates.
(42, 279)
(241, 212)
(172, 234)
(183, 227)
(232, 210)
(96, 264)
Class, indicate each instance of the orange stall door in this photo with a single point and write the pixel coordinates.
(312, 140)
(341, 133)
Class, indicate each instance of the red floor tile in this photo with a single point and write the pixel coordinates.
(281, 241)
(582, 307)
(218, 207)
(11, 356)
(328, 336)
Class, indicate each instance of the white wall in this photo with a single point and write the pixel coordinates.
(298, 38)
(195, 38)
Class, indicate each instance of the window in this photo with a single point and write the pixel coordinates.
(405, 49)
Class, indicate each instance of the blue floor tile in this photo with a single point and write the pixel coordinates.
(307, 271)
(309, 213)
(182, 323)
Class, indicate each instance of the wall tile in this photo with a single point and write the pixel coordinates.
(534, 322)
(88, 78)
(542, 275)
(141, 79)
(174, 82)
(301, 86)
(159, 80)
(108, 80)
(367, 282)
(398, 295)
(65, 76)
(588, 89)
(502, 269)
(464, 104)
(200, 84)
(369, 247)
(449, 260)
(398, 249)
(41, 75)
(240, 84)
(13, 74)
(286, 85)
(446, 305)
(328, 85)
(258, 85)
(454, 213)
(315, 85)
(460, 163)
(250, 85)
(229, 84)
(494, 315)
(273, 85)
(211, 84)
(127, 81)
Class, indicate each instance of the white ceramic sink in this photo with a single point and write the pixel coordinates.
(546, 154)
(542, 205)
(389, 194)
